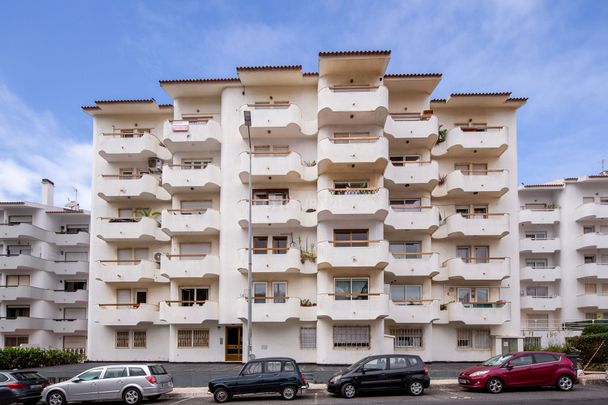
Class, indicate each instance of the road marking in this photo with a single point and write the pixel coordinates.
(182, 400)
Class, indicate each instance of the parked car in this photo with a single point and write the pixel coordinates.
(7, 396)
(26, 385)
(382, 372)
(520, 369)
(268, 375)
(129, 383)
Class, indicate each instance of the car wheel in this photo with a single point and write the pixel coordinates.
(221, 395)
(495, 385)
(348, 390)
(415, 388)
(565, 383)
(131, 396)
(154, 397)
(289, 392)
(56, 398)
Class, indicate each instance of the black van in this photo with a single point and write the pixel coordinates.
(382, 372)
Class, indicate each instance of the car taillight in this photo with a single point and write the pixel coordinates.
(17, 386)
(151, 379)
(426, 370)
(302, 378)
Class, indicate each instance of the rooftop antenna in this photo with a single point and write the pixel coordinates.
(73, 205)
(603, 172)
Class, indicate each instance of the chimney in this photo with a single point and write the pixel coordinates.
(48, 190)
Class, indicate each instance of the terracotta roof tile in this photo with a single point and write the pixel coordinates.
(263, 68)
(413, 75)
(598, 176)
(12, 203)
(65, 212)
(517, 99)
(356, 53)
(90, 107)
(133, 101)
(310, 74)
(213, 80)
(542, 185)
(439, 100)
(165, 106)
(571, 178)
(503, 93)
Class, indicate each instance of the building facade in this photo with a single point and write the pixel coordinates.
(564, 256)
(383, 220)
(44, 266)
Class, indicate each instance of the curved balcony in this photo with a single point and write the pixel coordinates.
(424, 218)
(145, 187)
(594, 240)
(126, 314)
(133, 148)
(188, 312)
(418, 264)
(595, 301)
(277, 120)
(195, 221)
(358, 308)
(419, 175)
(540, 275)
(416, 131)
(23, 231)
(476, 269)
(531, 303)
(71, 239)
(488, 183)
(352, 105)
(270, 311)
(365, 152)
(492, 142)
(280, 213)
(68, 326)
(24, 292)
(182, 178)
(28, 262)
(370, 253)
(269, 260)
(131, 229)
(128, 271)
(353, 203)
(413, 311)
(69, 268)
(475, 313)
(530, 245)
(23, 323)
(282, 167)
(590, 212)
(70, 297)
(539, 216)
(592, 270)
(184, 136)
(189, 266)
(493, 226)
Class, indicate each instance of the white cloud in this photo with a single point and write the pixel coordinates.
(36, 146)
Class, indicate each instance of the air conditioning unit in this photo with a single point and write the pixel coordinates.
(155, 165)
(157, 256)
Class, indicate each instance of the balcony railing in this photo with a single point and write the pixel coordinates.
(539, 245)
(365, 203)
(592, 270)
(365, 151)
(128, 271)
(179, 178)
(188, 312)
(352, 104)
(194, 265)
(479, 313)
(368, 306)
(128, 314)
(488, 225)
(597, 300)
(474, 142)
(277, 120)
(414, 311)
(540, 303)
(419, 264)
(277, 260)
(280, 212)
(276, 309)
(545, 216)
(538, 275)
(118, 147)
(117, 187)
(194, 221)
(593, 240)
(198, 135)
(418, 130)
(117, 229)
(476, 269)
(463, 183)
(422, 175)
(591, 211)
(281, 166)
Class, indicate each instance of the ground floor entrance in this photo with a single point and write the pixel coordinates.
(234, 343)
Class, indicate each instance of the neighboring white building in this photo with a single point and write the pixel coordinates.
(44, 266)
(564, 255)
(369, 236)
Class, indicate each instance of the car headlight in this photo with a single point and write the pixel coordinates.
(479, 373)
(335, 378)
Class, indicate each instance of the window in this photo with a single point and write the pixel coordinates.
(396, 363)
(194, 251)
(532, 342)
(470, 296)
(194, 164)
(279, 245)
(122, 339)
(477, 339)
(351, 289)
(115, 372)
(252, 368)
(407, 337)
(545, 358)
(15, 250)
(405, 292)
(377, 364)
(195, 207)
(194, 296)
(524, 360)
(402, 160)
(405, 204)
(141, 296)
(16, 341)
(279, 292)
(406, 250)
(269, 150)
(16, 280)
(536, 235)
(537, 292)
(473, 254)
(588, 200)
(589, 229)
(474, 169)
(139, 339)
(351, 187)
(591, 316)
(187, 338)
(535, 206)
(353, 137)
(260, 245)
(350, 237)
(90, 375)
(351, 337)
(130, 256)
(538, 321)
(537, 263)
(259, 292)
(589, 259)
(604, 200)
(136, 371)
(76, 228)
(590, 288)
(19, 219)
(74, 285)
(270, 197)
(289, 366)
(273, 366)
(308, 338)
(13, 312)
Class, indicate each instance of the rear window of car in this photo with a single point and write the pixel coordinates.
(3, 377)
(398, 362)
(545, 357)
(115, 372)
(273, 366)
(27, 375)
(136, 371)
(157, 370)
(289, 366)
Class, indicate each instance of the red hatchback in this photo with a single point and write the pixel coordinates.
(520, 369)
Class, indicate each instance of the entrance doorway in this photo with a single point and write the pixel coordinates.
(234, 343)
(509, 345)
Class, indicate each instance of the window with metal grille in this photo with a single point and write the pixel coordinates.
(308, 338)
(352, 336)
(478, 339)
(139, 339)
(122, 339)
(405, 337)
(16, 341)
(532, 343)
(192, 338)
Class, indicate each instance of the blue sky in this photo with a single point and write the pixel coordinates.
(56, 56)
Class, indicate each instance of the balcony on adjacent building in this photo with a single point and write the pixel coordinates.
(343, 150)
(131, 230)
(132, 147)
(28, 262)
(355, 253)
(285, 166)
(540, 275)
(353, 307)
(192, 135)
(597, 271)
(23, 323)
(24, 231)
(276, 309)
(414, 264)
(276, 120)
(463, 141)
(476, 269)
(539, 245)
(68, 326)
(277, 260)
(180, 178)
(62, 239)
(193, 265)
(69, 297)
(190, 221)
(414, 311)
(593, 301)
(353, 203)
(282, 212)
(535, 303)
(188, 312)
(23, 292)
(464, 183)
(591, 211)
(544, 216)
(412, 218)
(137, 187)
(479, 313)
(418, 130)
(126, 314)
(488, 225)
(352, 104)
(420, 175)
(593, 240)
(128, 271)
(69, 267)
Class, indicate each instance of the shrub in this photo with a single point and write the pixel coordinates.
(587, 345)
(595, 329)
(32, 357)
(531, 347)
(558, 348)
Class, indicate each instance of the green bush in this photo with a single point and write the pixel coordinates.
(558, 348)
(595, 329)
(531, 347)
(32, 357)
(586, 346)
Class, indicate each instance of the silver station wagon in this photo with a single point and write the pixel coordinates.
(128, 382)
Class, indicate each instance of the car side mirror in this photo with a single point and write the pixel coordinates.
(509, 367)
(76, 380)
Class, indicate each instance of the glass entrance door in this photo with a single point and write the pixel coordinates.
(234, 343)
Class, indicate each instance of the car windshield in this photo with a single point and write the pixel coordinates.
(356, 365)
(27, 375)
(496, 360)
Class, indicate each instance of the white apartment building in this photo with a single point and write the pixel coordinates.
(44, 266)
(383, 220)
(564, 255)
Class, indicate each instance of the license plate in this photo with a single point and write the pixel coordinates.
(462, 381)
(35, 387)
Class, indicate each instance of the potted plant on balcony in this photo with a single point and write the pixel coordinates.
(147, 213)
(442, 134)
(307, 303)
(306, 254)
